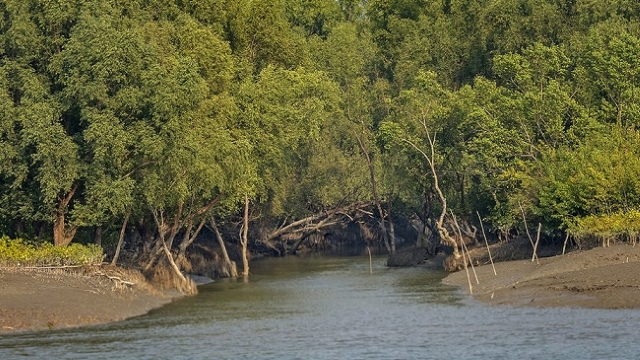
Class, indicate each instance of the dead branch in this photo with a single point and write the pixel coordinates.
(444, 234)
(116, 279)
(526, 228)
(535, 247)
(308, 222)
(487, 243)
(308, 233)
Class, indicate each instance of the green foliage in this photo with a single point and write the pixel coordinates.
(158, 107)
(18, 252)
(618, 224)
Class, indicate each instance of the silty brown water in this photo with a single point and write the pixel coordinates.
(332, 308)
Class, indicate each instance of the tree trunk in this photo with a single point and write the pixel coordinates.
(114, 261)
(62, 236)
(98, 236)
(175, 267)
(442, 231)
(297, 244)
(312, 230)
(229, 266)
(163, 230)
(189, 238)
(243, 238)
(374, 190)
(392, 231)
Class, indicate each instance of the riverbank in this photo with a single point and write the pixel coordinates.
(603, 278)
(42, 299)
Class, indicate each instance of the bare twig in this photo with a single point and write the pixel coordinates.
(535, 247)
(487, 243)
(466, 269)
(116, 279)
(524, 219)
(120, 239)
(464, 246)
(564, 247)
(444, 234)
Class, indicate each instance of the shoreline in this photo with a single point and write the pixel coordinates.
(40, 300)
(600, 278)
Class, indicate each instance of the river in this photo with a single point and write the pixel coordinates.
(333, 308)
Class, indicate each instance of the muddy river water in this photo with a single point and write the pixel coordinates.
(333, 308)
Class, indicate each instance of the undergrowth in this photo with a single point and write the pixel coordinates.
(18, 252)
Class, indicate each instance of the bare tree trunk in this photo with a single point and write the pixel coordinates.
(465, 250)
(535, 247)
(526, 228)
(392, 231)
(444, 233)
(374, 190)
(175, 267)
(243, 238)
(120, 239)
(487, 244)
(564, 247)
(162, 231)
(229, 266)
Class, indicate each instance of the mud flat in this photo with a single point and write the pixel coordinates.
(603, 278)
(32, 300)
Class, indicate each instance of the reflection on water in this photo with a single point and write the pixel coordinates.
(332, 308)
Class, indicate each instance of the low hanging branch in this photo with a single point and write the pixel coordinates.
(310, 231)
(316, 222)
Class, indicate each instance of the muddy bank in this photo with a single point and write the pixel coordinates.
(32, 300)
(605, 278)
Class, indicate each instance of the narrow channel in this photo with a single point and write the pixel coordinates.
(333, 308)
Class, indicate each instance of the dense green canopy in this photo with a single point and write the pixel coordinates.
(179, 109)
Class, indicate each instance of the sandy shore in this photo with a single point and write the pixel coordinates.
(605, 278)
(32, 300)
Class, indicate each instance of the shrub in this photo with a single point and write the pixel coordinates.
(18, 252)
